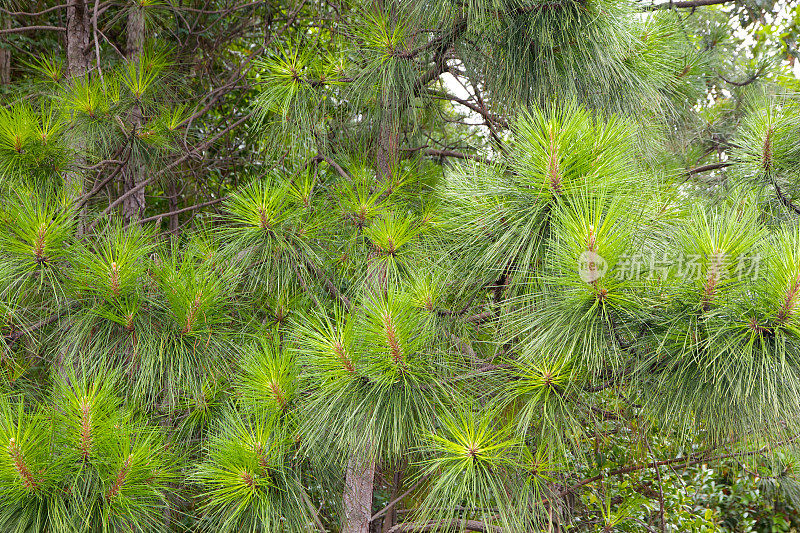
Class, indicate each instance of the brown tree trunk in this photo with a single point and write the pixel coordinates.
(78, 27)
(133, 206)
(358, 485)
(78, 24)
(360, 477)
(5, 56)
(387, 149)
(5, 67)
(390, 519)
(387, 153)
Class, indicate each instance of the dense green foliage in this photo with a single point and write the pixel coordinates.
(375, 267)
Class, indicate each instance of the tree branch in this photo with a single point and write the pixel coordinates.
(24, 29)
(457, 155)
(662, 522)
(785, 199)
(389, 506)
(439, 525)
(481, 110)
(746, 82)
(36, 13)
(687, 4)
(16, 335)
(442, 43)
(334, 164)
(85, 198)
(479, 318)
(706, 168)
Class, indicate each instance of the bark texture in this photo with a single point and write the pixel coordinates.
(358, 487)
(133, 206)
(390, 520)
(79, 19)
(387, 152)
(5, 56)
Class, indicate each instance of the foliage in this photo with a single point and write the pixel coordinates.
(399, 266)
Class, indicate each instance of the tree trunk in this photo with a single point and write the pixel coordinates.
(5, 67)
(361, 466)
(387, 153)
(358, 484)
(78, 24)
(390, 519)
(387, 150)
(132, 175)
(5, 57)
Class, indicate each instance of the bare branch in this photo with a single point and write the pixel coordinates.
(687, 4)
(25, 29)
(706, 168)
(35, 13)
(389, 506)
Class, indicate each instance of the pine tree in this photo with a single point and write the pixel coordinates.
(385, 306)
